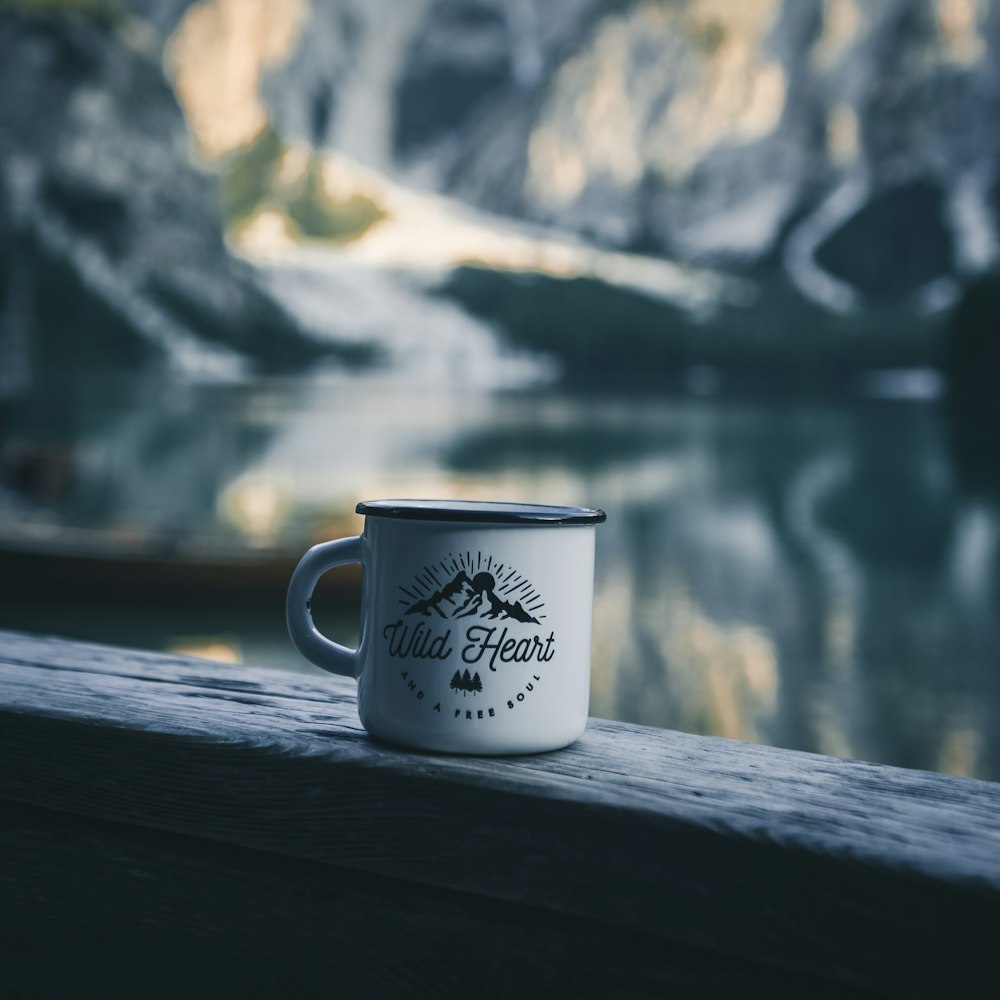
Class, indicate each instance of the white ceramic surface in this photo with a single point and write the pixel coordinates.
(475, 636)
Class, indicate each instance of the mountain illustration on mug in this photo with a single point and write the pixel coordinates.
(483, 594)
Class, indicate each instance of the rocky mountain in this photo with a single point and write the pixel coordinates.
(463, 597)
(111, 238)
(799, 132)
(447, 602)
(839, 155)
(835, 159)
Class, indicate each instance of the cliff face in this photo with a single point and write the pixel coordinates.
(112, 239)
(839, 157)
(847, 144)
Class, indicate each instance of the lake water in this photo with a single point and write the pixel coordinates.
(814, 576)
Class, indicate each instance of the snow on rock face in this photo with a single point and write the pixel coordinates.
(107, 218)
(842, 150)
(110, 207)
(703, 130)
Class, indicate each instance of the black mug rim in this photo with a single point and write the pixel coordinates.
(480, 511)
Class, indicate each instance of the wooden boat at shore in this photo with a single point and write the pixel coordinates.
(58, 561)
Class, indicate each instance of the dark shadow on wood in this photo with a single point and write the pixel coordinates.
(163, 809)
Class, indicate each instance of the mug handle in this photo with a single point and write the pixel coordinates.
(308, 639)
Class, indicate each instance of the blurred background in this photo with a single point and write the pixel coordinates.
(727, 270)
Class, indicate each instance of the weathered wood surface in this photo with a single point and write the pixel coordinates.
(179, 917)
(784, 868)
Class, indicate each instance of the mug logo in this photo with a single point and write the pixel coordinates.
(463, 598)
(471, 616)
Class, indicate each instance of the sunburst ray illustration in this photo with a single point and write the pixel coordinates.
(471, 591)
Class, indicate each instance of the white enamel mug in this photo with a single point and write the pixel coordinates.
(475, 622)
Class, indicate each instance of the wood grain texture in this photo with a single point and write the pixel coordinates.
(133, 913)
(871, 876)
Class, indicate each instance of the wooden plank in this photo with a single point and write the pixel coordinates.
(881, 878)
(93, 908)
(159, 573)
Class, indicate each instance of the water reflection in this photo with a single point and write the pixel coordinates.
(809, 576)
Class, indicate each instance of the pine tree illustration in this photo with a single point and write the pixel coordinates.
(477, 684)
(466, 680)
(456, 682)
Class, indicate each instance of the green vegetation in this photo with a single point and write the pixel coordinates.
(67, 327)
(73, 327)
(251, 182)
(316, 215)
(606, 335)
(585, 446)
(250, 176)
